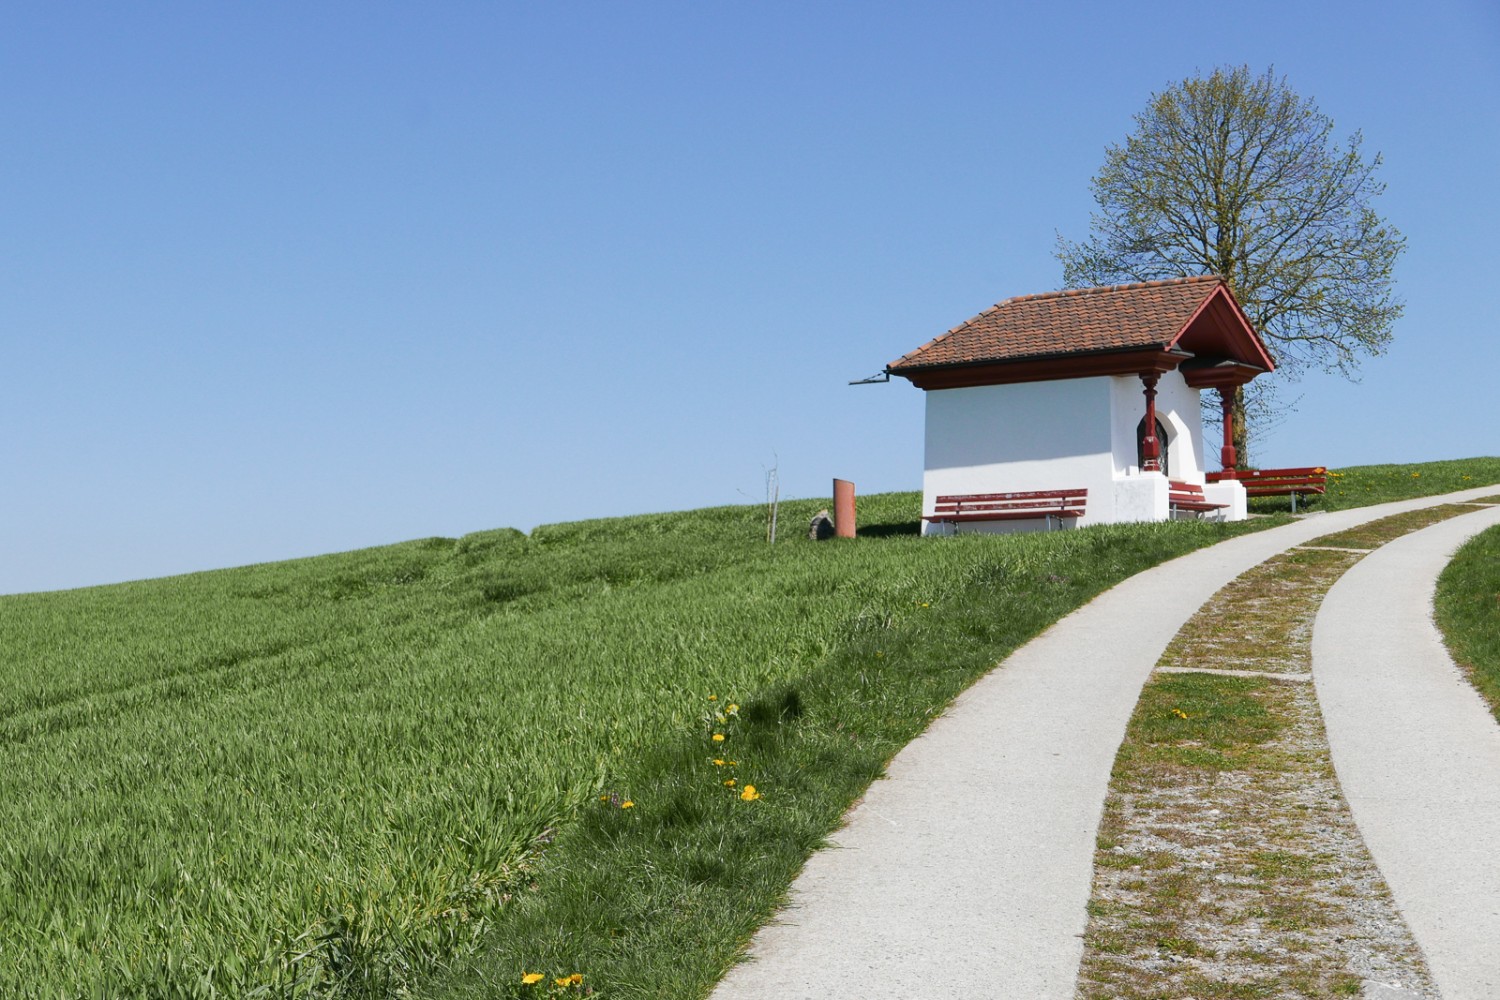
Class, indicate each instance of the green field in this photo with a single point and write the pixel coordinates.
(1362, 485)
(337, 776)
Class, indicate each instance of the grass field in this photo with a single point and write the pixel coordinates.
(1468, 612)
(322, 777)
(1362, 485)
(329, 777)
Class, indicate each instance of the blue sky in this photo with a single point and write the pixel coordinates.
(281, 279)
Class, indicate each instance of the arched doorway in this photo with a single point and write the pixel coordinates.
(1161, 443)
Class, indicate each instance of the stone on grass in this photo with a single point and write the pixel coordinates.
(821, 526)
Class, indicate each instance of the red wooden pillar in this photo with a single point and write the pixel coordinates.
(1150, 446)
(1227, 458)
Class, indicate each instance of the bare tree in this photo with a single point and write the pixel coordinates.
(1237, 175)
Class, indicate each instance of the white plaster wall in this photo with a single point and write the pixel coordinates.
(1178, 410)
(1020, 438)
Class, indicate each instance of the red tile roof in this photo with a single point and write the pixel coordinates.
(1147, 315)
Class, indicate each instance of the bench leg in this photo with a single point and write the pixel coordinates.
(1294, 501)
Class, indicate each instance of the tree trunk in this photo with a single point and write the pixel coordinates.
(1241, 430)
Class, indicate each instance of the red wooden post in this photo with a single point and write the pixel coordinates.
(1150, 447)
(843, 508)
(1227, 458)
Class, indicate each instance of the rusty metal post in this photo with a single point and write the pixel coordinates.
(843, 508)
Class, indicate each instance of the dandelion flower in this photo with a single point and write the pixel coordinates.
(729, 783)
(749, 794)
(732, 708)
(722, 718)
(562, 980)
(627, 804)
(718, 762)
(734, 763)
(531, 978)
(718, 737)
(575, 979)
(713, 697)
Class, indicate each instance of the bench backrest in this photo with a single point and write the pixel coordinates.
(1040, 500)
(1315, 475)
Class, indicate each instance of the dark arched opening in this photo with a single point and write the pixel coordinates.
(1161, 444)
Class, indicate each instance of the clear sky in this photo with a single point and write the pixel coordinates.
(280, 279)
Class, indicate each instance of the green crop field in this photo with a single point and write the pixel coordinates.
(335, 777)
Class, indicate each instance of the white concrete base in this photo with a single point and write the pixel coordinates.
(1141, 497)
(1231, 493)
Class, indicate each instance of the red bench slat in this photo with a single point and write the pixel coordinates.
(1189, 496)
(1016, 506)
(1278, 482)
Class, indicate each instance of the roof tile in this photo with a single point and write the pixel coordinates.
(1075, 321)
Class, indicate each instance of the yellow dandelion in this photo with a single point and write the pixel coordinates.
(562, 980)
(732, 708)
(604, 798)
(718, 762)
(627, 804)
(734, 763)
(531, 978)
(729, 783)
(722, 718)
(718, 737)
(713, 697)
(749, 794)
(1416, 475)
(575, 979)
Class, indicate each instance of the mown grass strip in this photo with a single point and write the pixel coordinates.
(1468, 612)
(1228, 864)
(655, 901)
(1377, 533)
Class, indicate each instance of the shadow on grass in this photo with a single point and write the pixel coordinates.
(891, 530)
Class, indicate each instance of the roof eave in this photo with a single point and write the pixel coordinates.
(1044, 367)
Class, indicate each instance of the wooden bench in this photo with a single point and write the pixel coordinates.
(1189, 497)
(1048, 504)
(1278, 482)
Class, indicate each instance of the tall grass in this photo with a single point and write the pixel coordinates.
(654, 901)
(324, 777)
(334, 777)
